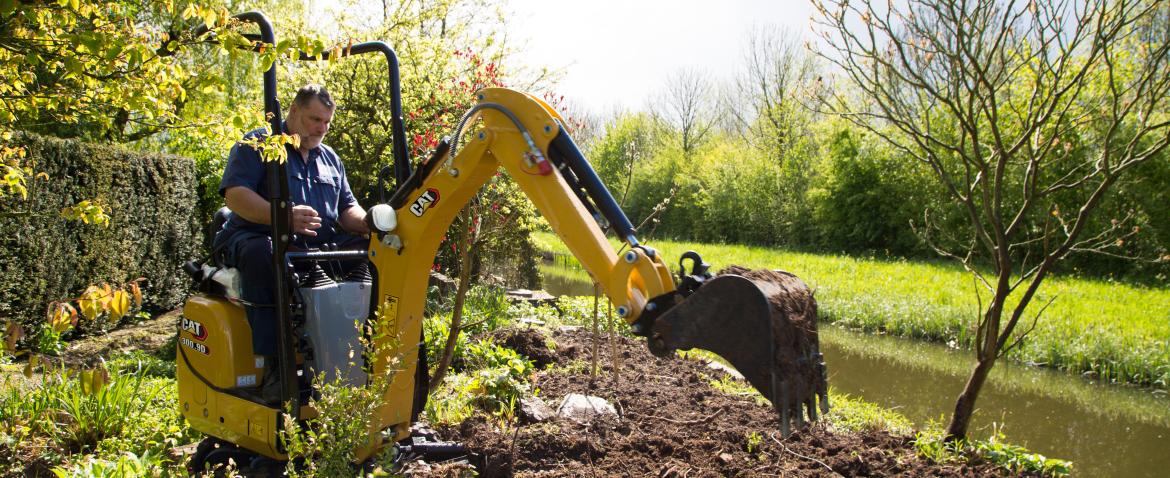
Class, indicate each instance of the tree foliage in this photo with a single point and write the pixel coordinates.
(1029, 117)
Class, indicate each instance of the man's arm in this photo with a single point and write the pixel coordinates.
(248, 204)
(254, 208)
(353, 220)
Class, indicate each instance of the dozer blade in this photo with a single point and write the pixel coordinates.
(764, 323)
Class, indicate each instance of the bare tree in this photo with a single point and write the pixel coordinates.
(688, 106)
(764, 104)
(986, 94)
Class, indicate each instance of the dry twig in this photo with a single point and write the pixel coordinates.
(798, 455)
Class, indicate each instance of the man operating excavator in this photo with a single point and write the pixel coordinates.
(325, 213)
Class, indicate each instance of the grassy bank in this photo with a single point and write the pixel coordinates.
(1115, 331)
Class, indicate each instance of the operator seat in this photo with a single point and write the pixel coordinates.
(218, 219)
(214, 277)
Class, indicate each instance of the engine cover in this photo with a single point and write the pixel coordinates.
(334, 317)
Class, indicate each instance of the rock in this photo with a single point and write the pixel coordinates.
(725, 369)
(179, 452)
(726, 457)
(583, 408)
(445, 284)
(530, 321)
(535, 298)
(534, 410)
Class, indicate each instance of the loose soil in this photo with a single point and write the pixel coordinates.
(672, 423)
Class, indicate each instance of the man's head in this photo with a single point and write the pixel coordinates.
(310, 115)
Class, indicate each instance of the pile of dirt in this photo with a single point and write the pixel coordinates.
(528, 342)
(672, 423)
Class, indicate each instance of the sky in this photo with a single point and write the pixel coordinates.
(620, 53)
(616, 54)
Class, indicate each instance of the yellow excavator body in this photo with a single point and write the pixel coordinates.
(762, 322)
(735, 317)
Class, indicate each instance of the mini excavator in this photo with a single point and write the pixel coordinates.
(762, 322)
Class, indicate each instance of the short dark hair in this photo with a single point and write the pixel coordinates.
(310, 91)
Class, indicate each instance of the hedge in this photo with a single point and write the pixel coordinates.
(151, 200)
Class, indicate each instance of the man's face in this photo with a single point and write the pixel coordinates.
(310, 122)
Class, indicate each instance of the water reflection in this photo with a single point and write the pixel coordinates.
(1105, 430)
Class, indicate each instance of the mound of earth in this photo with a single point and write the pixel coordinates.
(528, 342)
(672, 423)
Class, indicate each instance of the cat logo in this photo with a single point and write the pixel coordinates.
(193, 345)
(426, 201)
(195, 328)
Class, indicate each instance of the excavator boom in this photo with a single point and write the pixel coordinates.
(762, 322)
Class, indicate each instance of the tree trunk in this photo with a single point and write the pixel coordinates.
(965, 405)
(456, 315)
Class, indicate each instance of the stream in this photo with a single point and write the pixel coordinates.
(1105, 430)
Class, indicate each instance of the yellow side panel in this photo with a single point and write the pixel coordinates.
(216, 338)
(216, 341)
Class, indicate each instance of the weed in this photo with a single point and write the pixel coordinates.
(754, 440)
(849, 414)
(452, 402)
(325, 444)
(492, 379)
(124, 465)
(435, 331)
(1016, 459)
(575, 367)
(94, 409)
(149, 363)
(500, 375)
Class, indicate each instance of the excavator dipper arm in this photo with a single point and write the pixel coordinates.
(525, 137)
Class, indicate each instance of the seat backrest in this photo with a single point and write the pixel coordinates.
(218, 219)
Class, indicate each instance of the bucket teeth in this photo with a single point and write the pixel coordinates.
(784, 429)
(785, 409)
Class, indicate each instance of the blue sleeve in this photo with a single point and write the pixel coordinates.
(345, 199)
(243, 169)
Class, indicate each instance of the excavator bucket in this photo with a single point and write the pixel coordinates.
(764, 323)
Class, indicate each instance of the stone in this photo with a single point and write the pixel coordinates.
(725, 369)
(583, 408)
(536, 298)
(534, 410)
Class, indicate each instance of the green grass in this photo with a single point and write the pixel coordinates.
(1115, 331)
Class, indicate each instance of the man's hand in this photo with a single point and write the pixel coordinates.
(353, 220)
(305, 220)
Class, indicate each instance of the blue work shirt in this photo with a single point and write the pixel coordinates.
(318, 182)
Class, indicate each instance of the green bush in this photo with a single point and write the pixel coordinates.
(150, 199)
(869, 198)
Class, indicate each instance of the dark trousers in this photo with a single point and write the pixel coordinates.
(251, 254)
